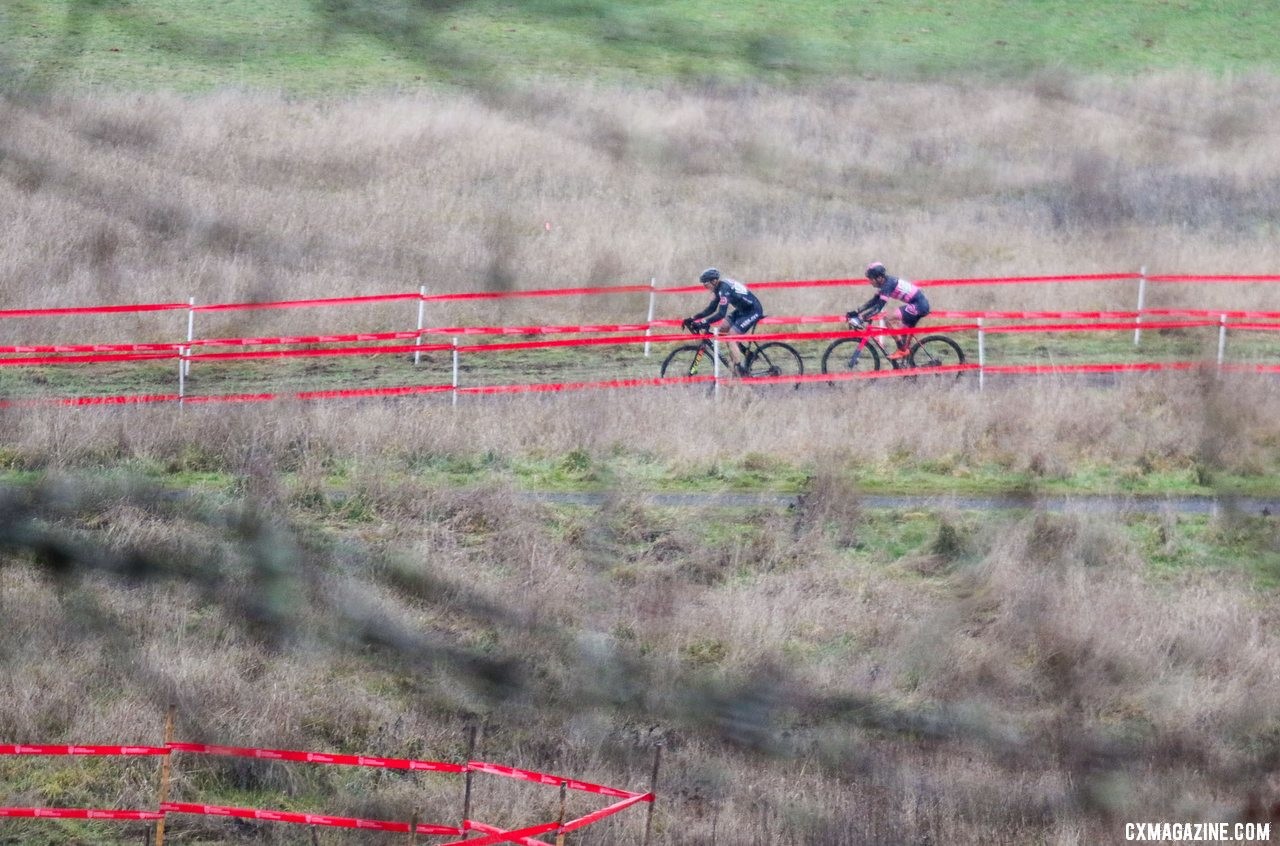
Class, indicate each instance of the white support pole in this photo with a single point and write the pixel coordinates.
(455, 370)
(1142, 301)
(653, 290)
(422, 303)
(982, 357)
(715, 358)
(191, 333)
(1222, 339)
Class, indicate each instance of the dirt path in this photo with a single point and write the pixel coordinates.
(1257, 506)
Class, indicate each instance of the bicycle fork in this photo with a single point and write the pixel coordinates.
(704, 349)
(857, 353)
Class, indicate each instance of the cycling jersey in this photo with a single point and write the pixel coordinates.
(730, 293)
(893, 288)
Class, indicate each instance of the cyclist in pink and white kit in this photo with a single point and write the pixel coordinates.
(914, 305)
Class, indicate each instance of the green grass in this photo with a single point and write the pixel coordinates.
(331, 46)
(573, 364)
(1185, 543)
(579, 471)
(1172, 546)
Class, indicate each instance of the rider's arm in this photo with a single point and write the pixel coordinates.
(872, 307)
(714, 312)
(880, 299)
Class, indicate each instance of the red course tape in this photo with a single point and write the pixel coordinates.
(596, 816)
(44, 749)
(318, 757)
(1214, 279)
(303, 818)
(619, 289)
(493, 834)
(523, 835)
(472, 825)
(544, 778)
(327, 301)
(116, 309)
(79, 814)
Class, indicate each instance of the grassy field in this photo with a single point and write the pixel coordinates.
(837, 666)
(482, 363)
(372, 577)
(328, 48)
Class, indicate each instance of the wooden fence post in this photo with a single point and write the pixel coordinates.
(165, 768)
(564, 790)
(472, 731)
(653, 788)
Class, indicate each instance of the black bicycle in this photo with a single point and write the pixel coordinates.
(865, 353)
(758, 360)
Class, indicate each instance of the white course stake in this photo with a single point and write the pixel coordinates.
(715, 359)
(455, 370)
(191, 333)
(1142, 299)
(648, 329)
(1222, 339)
(982, 357)
(422, 303)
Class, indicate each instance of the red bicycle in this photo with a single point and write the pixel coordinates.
(865, 353)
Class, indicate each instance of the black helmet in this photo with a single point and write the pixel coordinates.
(709, 275)
(876, 270)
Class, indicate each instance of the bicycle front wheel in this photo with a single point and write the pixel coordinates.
(937, 351)
(776, 359)
(685, 361)
(850, 355)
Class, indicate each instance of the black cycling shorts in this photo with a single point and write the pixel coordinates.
(911, 313)
(744, 321)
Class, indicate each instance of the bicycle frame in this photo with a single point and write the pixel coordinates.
(707, 346)
(924, 351)
(760, 360)
(874, 340)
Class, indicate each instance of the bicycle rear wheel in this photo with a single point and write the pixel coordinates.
(685, 361)
(850, 355)
(937, 351)
(776, 359)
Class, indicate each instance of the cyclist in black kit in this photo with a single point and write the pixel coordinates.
(914, 305)
(727, 293)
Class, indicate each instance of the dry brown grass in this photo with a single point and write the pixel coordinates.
(1044, 430)
(1024, 682)
(1031, 683)
(237, 197)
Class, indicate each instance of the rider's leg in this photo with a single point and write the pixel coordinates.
(733, 347)
(740, 323)
(912, 313)
(903, 341)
